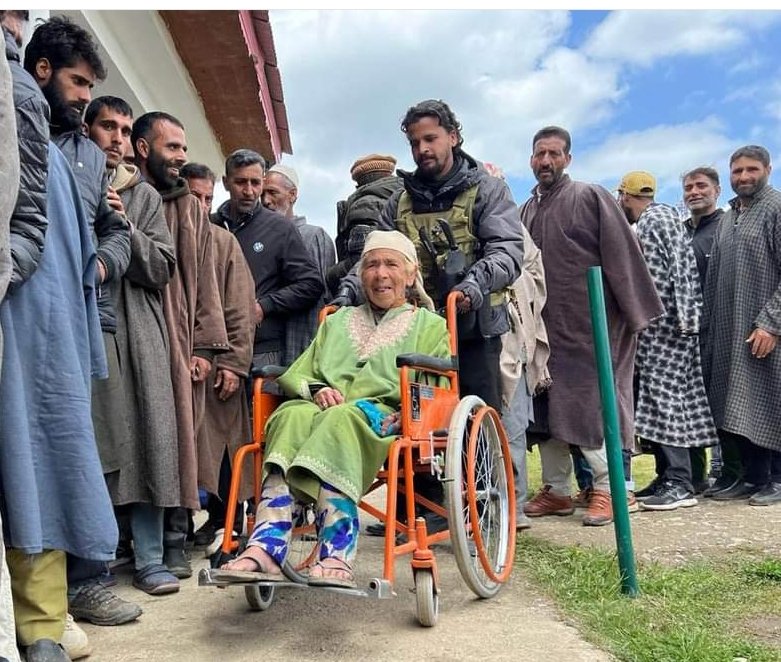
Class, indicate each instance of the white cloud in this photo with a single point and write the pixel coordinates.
(666, 151)
(523, 105)
(641, 37)
(350, 76)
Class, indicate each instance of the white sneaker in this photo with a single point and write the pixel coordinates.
(215, 544)
(74, 640)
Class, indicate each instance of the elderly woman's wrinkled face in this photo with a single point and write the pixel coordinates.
(385, 276)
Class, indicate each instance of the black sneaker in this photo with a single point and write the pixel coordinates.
(721, 484)
(669, 496)
(206, 534)
(175, 559)
(740, 490)
(649, 490)
(767, 496)
(101, 606)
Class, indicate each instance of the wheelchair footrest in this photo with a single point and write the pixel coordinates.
(378, 588)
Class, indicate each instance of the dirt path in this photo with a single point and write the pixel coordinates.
(710, 529)
(206, 624)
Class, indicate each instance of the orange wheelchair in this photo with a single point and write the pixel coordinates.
(459, 441)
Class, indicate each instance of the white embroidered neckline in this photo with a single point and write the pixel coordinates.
(369, 337)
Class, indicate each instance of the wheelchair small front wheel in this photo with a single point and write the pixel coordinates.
(259, 598)
(426, 598)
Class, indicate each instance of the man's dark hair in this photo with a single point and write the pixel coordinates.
(63, 44)
(756, 152)
(197, 171)
(706, 171)
(242, 158)
(438, 109)
(553, 132)
(144, 126)
(99, 103)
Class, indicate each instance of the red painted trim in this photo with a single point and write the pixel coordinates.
(251, 39)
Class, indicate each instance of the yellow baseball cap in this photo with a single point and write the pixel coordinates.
(638, 182)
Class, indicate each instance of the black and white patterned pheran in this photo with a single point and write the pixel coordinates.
(743, 292)
(672, 406)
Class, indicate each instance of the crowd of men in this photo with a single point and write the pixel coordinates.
(132, 315)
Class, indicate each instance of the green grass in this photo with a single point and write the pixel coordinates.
(700, 612)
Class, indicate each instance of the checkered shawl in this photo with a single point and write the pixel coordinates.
(743, 292)
(672, 405)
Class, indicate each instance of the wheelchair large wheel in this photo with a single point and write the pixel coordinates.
(259, 598)
(427, 600)
(303, 544)
(477, 467)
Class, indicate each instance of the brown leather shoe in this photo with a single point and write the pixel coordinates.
(600, 510)
(546, 503)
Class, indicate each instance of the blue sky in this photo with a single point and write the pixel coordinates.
(662, 91)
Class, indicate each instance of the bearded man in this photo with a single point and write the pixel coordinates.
(576, 226)
(135, 421)
(741, 325)
(191, 305)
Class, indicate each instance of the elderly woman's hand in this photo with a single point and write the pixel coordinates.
(391, 424)
(328, 397)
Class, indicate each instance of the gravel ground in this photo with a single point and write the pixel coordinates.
(205, 624)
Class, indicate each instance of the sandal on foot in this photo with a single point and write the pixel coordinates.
(238, 576)
(155, 579)
(336, 582)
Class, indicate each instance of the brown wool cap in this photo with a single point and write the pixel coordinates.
(372, 163)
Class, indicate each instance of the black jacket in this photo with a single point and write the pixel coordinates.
(363, 206)
(496, 223)
(287, 279)
(110, 231)
(29, 220)
(702, 238)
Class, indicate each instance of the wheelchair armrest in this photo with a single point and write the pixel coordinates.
(426, 361)
(268, 371)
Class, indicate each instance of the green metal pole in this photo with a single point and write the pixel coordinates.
(607, 391)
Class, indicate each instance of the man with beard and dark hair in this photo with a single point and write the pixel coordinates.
(576, 226)
(741, 325)
(226, 422)
(449, 184)
(191, 306)
(134, 413)
(63, 59)
(450, 193)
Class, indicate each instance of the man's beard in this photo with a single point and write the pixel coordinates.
(64, 117)
(751, 191)
(158, 169)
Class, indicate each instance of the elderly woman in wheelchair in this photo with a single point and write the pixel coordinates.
(326, 445)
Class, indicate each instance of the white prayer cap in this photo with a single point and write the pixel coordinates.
(286, 171)
(396, 241)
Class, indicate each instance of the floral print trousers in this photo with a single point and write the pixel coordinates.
(336, 521)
